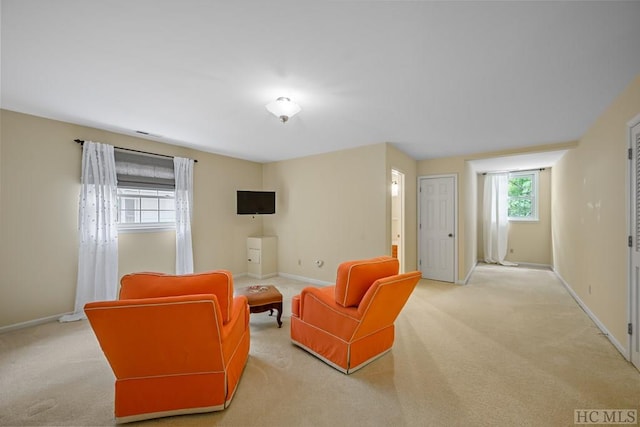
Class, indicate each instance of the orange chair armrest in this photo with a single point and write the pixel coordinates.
(239, 314)
(235, 328)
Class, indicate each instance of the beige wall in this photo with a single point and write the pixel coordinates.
(589, 210)
(469, 212)
(467, 201)
(529, 241)
(39, 187)
(330, 207)
(38, 239)
(218, 234)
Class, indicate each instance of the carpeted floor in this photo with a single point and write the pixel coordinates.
(512, 348)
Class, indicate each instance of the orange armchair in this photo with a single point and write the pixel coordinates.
(350, 324)
(176, 344)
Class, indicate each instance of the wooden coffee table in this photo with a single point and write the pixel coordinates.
(262, 298)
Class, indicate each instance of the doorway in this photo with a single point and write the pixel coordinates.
(397, 217)
(437, 227)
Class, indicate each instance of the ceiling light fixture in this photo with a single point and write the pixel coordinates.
(283, 108)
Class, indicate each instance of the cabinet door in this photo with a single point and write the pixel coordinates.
(253, 255)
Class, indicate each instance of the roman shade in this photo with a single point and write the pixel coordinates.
(138, 170)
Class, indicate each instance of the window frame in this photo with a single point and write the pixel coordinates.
(534, 217)
(145, 226)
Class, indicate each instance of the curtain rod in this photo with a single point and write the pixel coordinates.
(515, 170)
(80, 141)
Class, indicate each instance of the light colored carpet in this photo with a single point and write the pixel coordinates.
(511, 348)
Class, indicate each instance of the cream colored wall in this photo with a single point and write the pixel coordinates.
(38, 232)
(39, 187)
(218, 234)
(468, 239)
(530, 241)
(468, 215)
(399, 161)
(589, 210)
(330, 207)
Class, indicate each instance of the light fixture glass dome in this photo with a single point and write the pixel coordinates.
(283, 108)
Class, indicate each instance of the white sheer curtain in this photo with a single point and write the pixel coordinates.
(98, 232)
(183, 170)
(495, 218)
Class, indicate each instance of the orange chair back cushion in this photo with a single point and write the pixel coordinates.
(356, 277)
(156, 285)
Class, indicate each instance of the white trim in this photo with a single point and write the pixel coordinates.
(264, 276)
(593, 317)
(455, 220)
(630, 199)
(305, 279)
(534, 265)
(33, 322)
(153, 227)
(401, 218)
(366, 362)
(466, 279)
(636, 120)
(160, 414)
(319, 356)
(348, 371)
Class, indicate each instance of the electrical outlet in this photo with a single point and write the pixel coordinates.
(299, 262)
(589, 289)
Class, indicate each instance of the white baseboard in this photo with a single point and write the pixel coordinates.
(30, 323)
(466, 279)
(306, 279)
(593, 317)
(534, 265)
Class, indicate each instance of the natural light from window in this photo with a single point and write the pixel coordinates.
(140, 208)
(523, 196)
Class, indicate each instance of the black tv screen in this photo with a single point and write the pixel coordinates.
(256, 202)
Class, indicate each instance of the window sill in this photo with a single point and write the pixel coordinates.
(524, 220)
(145, 228)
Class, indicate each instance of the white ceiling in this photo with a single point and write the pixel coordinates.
(433, 78)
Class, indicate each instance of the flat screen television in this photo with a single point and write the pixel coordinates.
(256, 202)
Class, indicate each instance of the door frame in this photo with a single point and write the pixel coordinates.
(455, 220)
(401, 218)
(632, 293)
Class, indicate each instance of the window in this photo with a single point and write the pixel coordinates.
(523, 196)
(146, 191)
(144, 206)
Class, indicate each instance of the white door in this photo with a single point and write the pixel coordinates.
(634, 285)
(437, 228)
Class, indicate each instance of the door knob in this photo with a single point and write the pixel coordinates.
(450, 235)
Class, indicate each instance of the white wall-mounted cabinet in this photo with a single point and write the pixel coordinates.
(262, 257)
